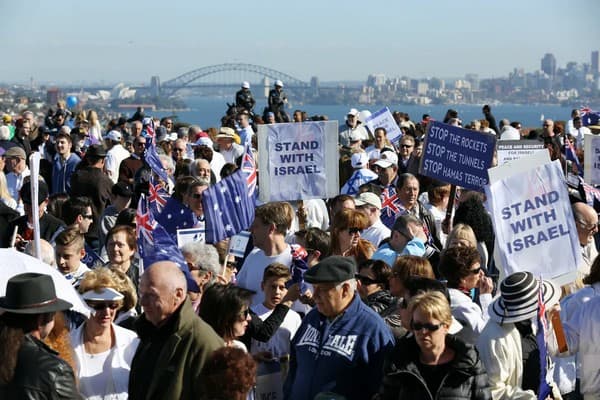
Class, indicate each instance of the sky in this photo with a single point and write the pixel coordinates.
(68, 41)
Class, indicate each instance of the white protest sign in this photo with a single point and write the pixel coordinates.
(591, 153)
(384, 119)
(510, 150)
(518, 166)
(190, 235)
(533, 221)
(238, 244)
(298, 161)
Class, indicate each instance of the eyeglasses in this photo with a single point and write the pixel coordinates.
(588, 227)
(87, 216)
(365, 280)
(102, 305)
(475, 271)
(196, 196)
(417, 326)
(354, 231)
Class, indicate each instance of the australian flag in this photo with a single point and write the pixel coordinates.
(589, 117)
(228, 209)
(572, 156)
(157, 195)
(249, 168)
(155, 244)
(545, 361)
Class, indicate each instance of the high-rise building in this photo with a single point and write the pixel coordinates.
(595, 65)
(549, 64)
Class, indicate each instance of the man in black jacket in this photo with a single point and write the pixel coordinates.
(32, 370)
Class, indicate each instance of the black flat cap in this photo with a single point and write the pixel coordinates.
(333, 269)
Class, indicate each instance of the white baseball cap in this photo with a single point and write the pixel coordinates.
(359, 160)
(388, 158)
(115, 136)
(246, 85)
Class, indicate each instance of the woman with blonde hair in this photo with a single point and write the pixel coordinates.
(95, 127)
(103, 350)
(345, 236)
(432, 360)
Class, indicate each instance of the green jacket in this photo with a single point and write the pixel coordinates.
(168, 361)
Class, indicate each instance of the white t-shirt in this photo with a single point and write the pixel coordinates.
(250, 276)
(279, 344)
(95, 380)
(376, 233)
(113, 161)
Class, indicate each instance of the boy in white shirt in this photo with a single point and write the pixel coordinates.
(273, 285)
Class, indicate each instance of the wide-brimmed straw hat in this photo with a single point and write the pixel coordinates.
(518, 300)
(32, 293)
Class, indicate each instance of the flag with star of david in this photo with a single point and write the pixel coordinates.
(228, 209)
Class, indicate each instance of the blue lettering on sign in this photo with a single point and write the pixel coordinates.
(457, 156)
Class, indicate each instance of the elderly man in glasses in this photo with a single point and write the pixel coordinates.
(340, 346)
(586, 221)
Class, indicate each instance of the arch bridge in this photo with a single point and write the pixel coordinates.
(230, 75)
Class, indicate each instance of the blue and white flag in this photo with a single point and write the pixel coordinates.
(91, 258)
(228, 209)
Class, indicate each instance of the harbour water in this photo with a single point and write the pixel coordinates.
(207, 112)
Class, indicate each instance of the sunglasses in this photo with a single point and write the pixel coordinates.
(475, 271)
(231, 265)
(354, 231)
(417, 326)
(406, 146)
(99, 306)
(244, 314)
(196, 196)
(88, 216)
(365, 280)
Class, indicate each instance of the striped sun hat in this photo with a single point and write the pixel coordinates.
(518, 300)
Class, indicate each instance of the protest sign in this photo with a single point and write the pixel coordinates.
(238, 244)
(190, 235)
(591, 146)
(298, 161)
(457, 156)
(510, 150)
(384, 119)
(534, 225)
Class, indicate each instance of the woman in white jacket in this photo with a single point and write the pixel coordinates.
(103, 350)
(461, 266)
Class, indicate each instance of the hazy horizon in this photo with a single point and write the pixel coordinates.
(68, 41)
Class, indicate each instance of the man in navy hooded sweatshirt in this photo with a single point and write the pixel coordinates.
(341, 344)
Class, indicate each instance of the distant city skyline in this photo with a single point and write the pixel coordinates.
(69, 41)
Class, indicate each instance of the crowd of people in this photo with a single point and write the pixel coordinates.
(384, 291)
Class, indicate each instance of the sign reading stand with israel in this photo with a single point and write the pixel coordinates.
(298, 161)
(533, 221)
(384, 119)
(457, 156)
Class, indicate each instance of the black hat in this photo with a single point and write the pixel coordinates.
(25, 192)
(95, 150)
(122, 121)
(32, 293)
(122, 189)
(333, 269)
